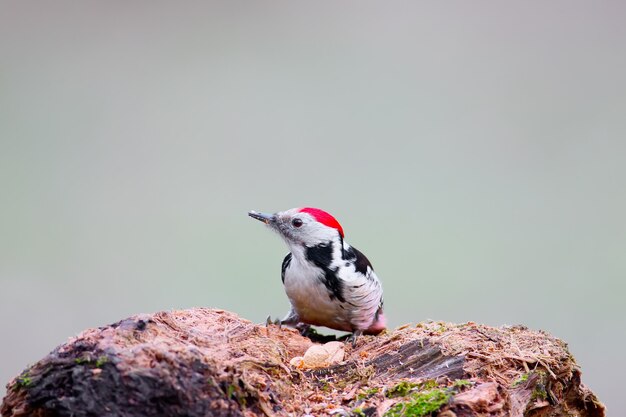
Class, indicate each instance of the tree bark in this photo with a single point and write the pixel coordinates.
(203, 362)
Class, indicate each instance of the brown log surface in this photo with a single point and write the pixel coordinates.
(203, 362)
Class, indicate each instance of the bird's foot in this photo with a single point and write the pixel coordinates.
(305, 329)
(354, 336)
(269, 321)
(313, 334)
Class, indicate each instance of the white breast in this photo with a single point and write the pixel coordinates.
(315, 304)
(311, 299)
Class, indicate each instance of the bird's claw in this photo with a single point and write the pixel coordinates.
(353, 337)
(277, 322)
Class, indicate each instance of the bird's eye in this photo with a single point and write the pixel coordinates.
(296, 222)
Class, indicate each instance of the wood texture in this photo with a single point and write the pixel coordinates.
(204, 362)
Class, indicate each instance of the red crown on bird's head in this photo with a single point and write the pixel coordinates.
(323, 217)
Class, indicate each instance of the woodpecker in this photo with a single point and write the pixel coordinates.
(329, 283)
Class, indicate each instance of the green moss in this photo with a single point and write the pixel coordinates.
(441, 329)
(400, 390)
(403, 388)
(358, 412)
(98, 363)
(428, 384)
(101, 361)
(422, 398)
(519, 381)
(458, 383)
(420, 404)
(368, 393)
(539, 393)
(239, 392)
(24, 380)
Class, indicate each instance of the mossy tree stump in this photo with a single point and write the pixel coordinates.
(203, 362)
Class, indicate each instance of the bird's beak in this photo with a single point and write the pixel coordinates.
(265, 218)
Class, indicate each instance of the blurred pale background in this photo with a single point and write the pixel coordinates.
(475, 151)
